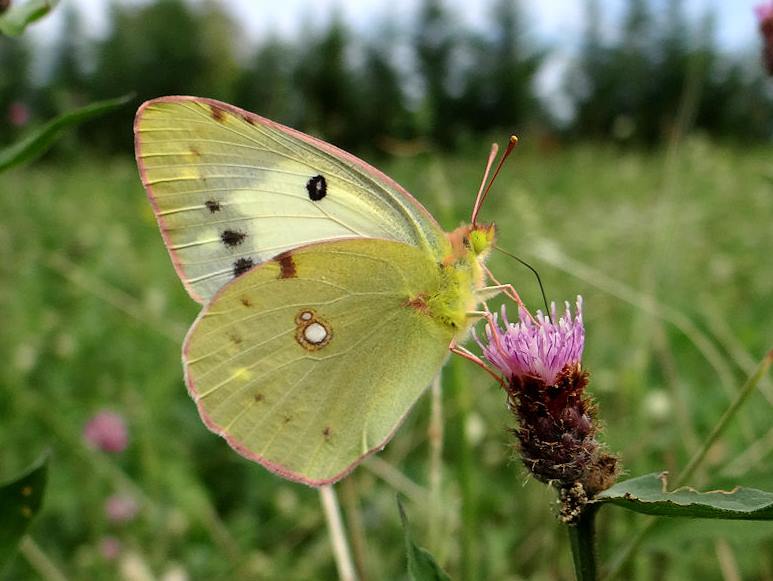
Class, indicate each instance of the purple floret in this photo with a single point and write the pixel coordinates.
(535, 347)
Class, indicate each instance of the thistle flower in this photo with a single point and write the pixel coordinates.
(107, 431)
(540, 359)
(537, 347)
(764, 14)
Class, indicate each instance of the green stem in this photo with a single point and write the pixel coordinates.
(582, 537)
(335, 528)
(465, 472)
(435, 436)
(695, 461)
(39, 561)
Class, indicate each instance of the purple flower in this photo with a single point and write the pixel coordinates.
(765, 20)
(764, 11)
(110, 547)
(538, 347)
(107, 431)
(121, 508)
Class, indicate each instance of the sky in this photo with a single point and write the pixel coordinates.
(556, 24)
(554, 21)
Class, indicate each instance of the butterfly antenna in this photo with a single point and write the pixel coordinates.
(536, 274)
(483, 192)
(479, 198)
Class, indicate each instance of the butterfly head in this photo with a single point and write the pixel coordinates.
(481, 239)
(472, 239)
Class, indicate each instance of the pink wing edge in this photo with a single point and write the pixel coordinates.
(253, 118)
(235, 444)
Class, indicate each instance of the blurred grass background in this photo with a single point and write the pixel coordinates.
(669, 249)
(650, 195)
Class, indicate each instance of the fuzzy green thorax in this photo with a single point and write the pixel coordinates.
(461, 276)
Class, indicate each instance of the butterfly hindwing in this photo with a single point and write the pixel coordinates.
(231, 189)
(308, 362)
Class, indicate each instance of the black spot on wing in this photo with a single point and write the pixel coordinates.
(212, 205)
(232, 238)
(317, 188)
(242, 265)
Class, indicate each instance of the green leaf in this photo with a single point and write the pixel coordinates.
(649, 494)
(36, 142)
(421, 564)
(20, 501)
(14, 20)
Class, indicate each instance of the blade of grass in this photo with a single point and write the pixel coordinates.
(397, 480)
(37, 142)
(20, 15)
(465, 469)
(435, 436)
(39, 561)
(725, 336)
(114, 297)
(647, 303)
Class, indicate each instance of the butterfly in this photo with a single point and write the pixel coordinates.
(331, 296)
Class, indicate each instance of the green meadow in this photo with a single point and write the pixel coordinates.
(670, 249)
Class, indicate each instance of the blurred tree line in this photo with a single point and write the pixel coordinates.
(437, 84)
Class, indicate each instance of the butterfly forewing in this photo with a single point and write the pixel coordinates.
(231, 190)
(308, 363)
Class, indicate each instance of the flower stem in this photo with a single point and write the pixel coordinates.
(582, 537)
(335, 527)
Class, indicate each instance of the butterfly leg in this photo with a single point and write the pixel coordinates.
(454, 347)
(508, 289)
(470, 356)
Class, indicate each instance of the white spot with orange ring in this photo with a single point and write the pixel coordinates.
(315, 333)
